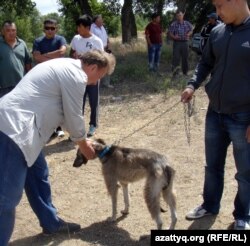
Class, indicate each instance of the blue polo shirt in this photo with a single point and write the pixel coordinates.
(45, 45)
(12, 62)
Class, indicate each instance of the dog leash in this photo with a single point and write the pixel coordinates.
(188, 112)
(147, 124)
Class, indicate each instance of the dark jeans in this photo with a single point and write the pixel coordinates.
(180, 54)
(14, 176)
(220, 131)
(92, 91)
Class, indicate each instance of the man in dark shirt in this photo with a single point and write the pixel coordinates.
(205, 32)
(48, 47)
(153, 33)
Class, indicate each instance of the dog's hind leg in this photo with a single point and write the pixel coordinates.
(125, 198)
(170, 198)
(152, 194)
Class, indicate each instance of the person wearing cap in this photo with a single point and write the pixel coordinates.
(225, 60)
(205, 31)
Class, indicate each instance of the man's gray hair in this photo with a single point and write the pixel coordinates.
(101, 58)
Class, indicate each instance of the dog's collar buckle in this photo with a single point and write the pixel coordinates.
(104, 152)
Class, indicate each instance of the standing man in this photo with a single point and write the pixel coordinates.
(15, 59)
(98, 29)
(205, 31)
(180, 31)
(50, 94)
(153, 34)
(81, 43)
(48, 47)
(226, 57)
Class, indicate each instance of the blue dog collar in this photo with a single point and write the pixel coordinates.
(104, 152)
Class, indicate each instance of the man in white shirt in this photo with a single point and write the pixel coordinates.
(51, 94)
(98, 29)
(81, 43)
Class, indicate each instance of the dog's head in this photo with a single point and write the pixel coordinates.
(98, 144)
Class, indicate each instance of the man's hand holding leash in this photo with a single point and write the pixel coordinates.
(187, 94)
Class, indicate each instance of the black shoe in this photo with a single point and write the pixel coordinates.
(64, 228)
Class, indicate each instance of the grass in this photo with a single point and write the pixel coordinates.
(132, 76)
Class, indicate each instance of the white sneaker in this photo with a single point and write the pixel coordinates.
(60, 134)
(197, 213)
(241, 225)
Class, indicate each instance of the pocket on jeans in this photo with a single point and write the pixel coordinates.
(243, 117)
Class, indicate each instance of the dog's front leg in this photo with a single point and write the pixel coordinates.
(125, 198)
(113, 191)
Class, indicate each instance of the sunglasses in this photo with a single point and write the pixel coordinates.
(49, 28)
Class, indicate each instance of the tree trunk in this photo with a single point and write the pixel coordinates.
(129, 29)
(85, 7)
(159, 6)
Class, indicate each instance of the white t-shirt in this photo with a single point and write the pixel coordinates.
(82, 45)
(100, 32)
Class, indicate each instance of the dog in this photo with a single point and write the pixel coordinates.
(127, 165)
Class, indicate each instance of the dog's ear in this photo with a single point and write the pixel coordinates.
(101, 141)
(98, 145)
(80, 159)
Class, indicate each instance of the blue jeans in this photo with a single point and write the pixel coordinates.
(92, 91)
(154, 53)
(14, 175)
(220, 131)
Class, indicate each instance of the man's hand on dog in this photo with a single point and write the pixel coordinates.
(87, 149)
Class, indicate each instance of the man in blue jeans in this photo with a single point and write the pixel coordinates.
(226, 57)
(153, 34)
(17, 62)
(50, 94)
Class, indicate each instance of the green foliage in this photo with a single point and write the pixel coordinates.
(141, 22)
(21, 7)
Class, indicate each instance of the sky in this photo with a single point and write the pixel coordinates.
(46, 6)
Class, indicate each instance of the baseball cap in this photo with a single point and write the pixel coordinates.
(213, 15)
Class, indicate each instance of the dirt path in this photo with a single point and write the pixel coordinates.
(80, 194)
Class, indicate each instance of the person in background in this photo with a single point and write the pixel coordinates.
(205, 31)
(15, 59)
(47, 47)
(98, 29)
(180, 31)
(50, 94)
(81, 43)
(226, 58)
(153, 34)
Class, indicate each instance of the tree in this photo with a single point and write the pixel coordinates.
(129, 30)
(21, 7)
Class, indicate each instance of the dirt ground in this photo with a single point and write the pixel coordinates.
(80, 194)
